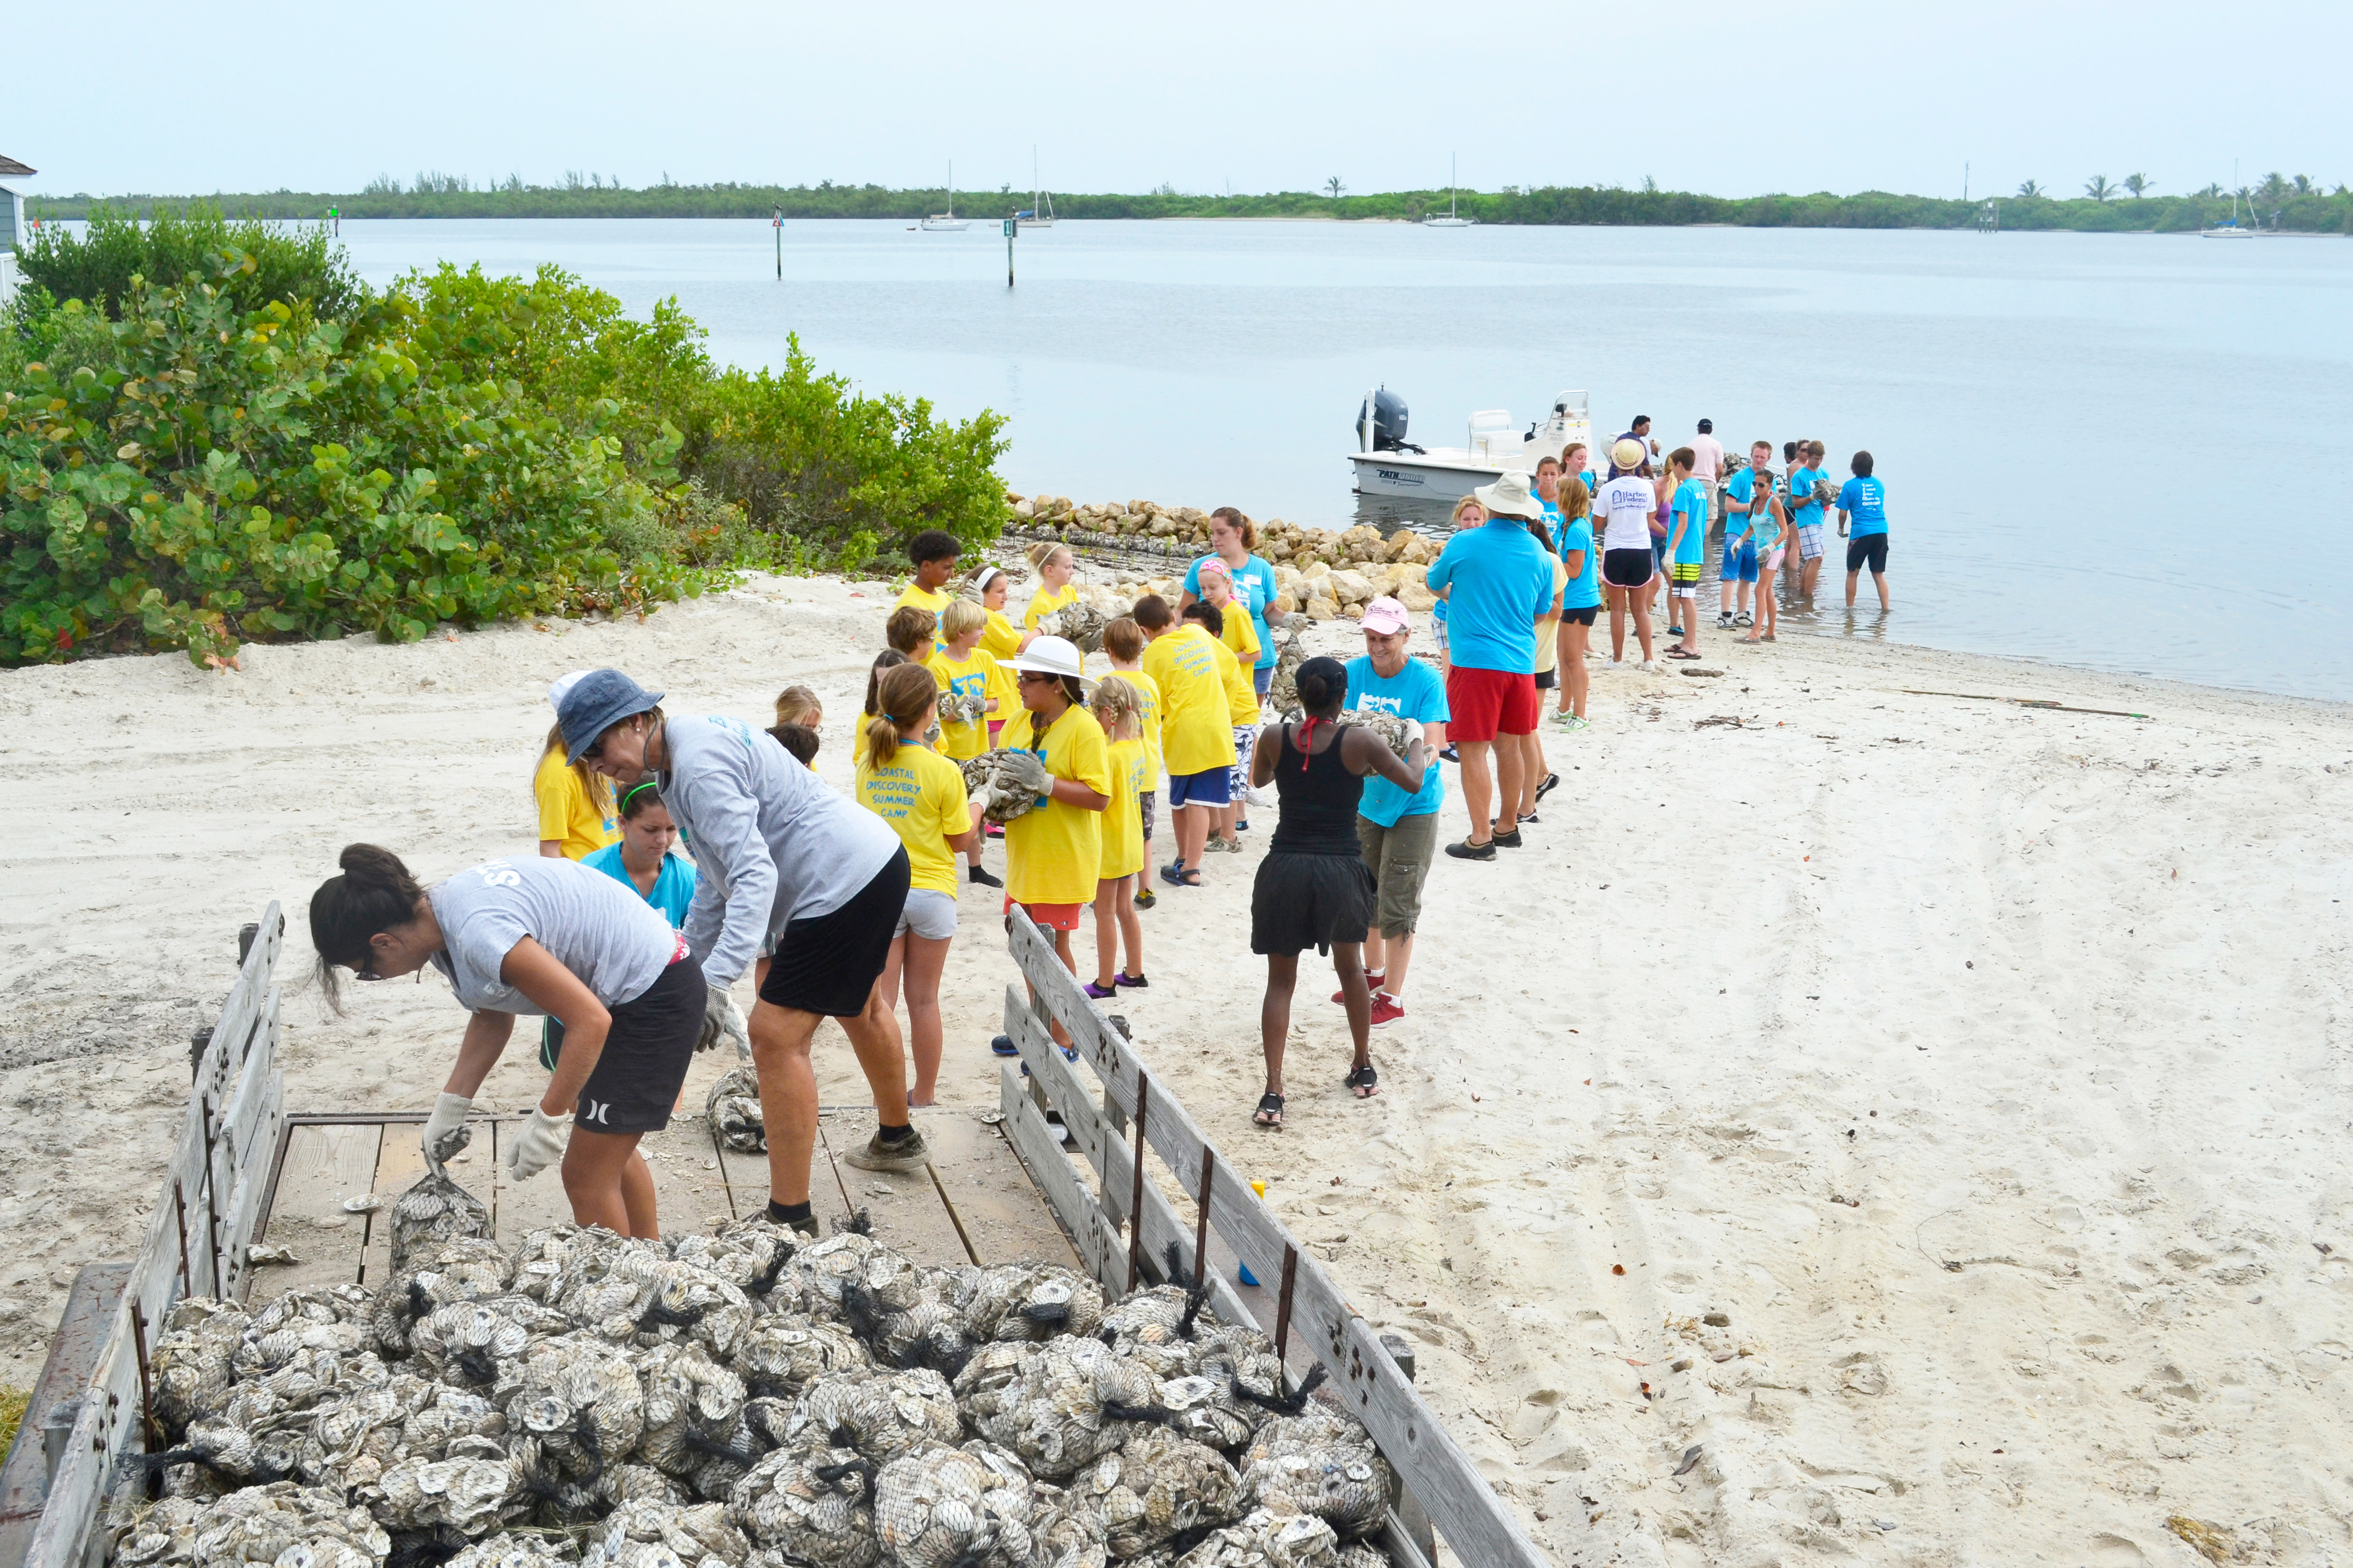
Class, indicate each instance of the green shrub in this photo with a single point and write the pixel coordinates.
(290, 262)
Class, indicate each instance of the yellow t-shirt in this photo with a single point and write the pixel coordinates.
(1192, 669)
(1053, 853)
(1240, 634)
(568, 812)
(1001, 640)
(932, 599)
(1122, 824)
(1547, 645)
(976, 673)
(921, 795)
(1045, 602)
(1149, 689)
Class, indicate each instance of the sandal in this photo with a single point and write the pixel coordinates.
(1365, 1082)
(1678, 653)
(1180, 875)
(1270, 1112)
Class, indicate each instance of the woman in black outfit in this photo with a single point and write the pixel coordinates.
(1313, 887)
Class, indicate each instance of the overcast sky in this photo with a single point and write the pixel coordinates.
(1709, 95)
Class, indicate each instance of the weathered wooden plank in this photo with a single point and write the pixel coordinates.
(905, 1206)
(1091, 1236)
(323, 1165)
(73, 1352)
(1428, 1459)
(399, 1160)
(252, 1182)
(992, 1193)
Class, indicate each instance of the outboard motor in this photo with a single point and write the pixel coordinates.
(1385, 411)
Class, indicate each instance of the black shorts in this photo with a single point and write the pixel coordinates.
(1546, 679)
(1583, 617)
(828, 963)
(643, 1066)
(1872, 549)
(1309, 901)
(1627, 568)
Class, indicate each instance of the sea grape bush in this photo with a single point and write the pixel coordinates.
(180, 469)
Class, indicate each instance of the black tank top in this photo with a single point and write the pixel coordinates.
(1318, 800)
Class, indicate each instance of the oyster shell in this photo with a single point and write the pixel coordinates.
(732, 1107)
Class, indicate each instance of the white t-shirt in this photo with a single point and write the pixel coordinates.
(1708, 458)
(1626, 504)
(614, 942)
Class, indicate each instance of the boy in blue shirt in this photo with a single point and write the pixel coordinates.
(1751, 490)
(1863, 522)
(1686, 539)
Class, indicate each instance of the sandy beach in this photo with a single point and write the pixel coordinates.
(1859, 1125)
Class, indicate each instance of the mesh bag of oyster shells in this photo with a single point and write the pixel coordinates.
(749, 1254)
(780, 1355)
(733, 1109)
(1155, 1485)
(1080, 623)
(1394, 732)
(1268, 1538)
(189, 1366)
(470, 1493)
(1033, 1301)
(278, 1523)
(937, 1507)
(1060, 1408)
(809, 1505)
(436, 1274)
(991, 790)
(1320, 1462)
(1282, 690)
(881, 1416)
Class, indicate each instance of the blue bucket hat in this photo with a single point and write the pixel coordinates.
(598, 700)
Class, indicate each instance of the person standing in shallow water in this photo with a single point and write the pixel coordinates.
(529, 935)
(1314, 889)
(777, 853)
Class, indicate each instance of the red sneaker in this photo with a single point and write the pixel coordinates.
(1373, 978)
(1387, 1009)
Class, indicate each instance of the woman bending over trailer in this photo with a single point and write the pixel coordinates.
(530, 935)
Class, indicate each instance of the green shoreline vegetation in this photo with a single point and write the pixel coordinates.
(2303, 205)
(213, 433)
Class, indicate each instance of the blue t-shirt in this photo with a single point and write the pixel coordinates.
(1804, 512)
(1691, 502)
(1416, 695)
(674, 889)
(1551, 520)
(1865, 505)
(1742, 489)
(1584, 591)
(1255, 586)
(1500, 582)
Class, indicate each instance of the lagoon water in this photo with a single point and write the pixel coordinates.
(2120, 451)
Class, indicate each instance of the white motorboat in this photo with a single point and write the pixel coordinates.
(1449, 220)
(947, 222)
(1388, 464)
(1041, 205)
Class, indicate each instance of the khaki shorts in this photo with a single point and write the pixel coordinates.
(1399, 856)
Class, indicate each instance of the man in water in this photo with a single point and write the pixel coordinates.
(1639, 433)
(1863, 518)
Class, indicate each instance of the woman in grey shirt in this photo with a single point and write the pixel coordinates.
(532, 935)
(775, 851)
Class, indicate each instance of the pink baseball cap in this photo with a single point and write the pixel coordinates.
(1386, 615)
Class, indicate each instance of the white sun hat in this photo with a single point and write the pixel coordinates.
(1511, 495)
(1048, 656)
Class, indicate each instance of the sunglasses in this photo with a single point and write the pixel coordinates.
(1028, 677)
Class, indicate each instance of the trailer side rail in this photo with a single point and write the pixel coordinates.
(195, 1244)
(1436, 1472)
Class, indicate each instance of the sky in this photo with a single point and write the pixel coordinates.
(1707, 95)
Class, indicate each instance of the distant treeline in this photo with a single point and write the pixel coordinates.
(2312, 211)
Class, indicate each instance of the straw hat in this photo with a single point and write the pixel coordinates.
(1627, 454)
(1511, 495)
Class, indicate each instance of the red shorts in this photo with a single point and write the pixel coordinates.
(1051, 917)
(1486, 703)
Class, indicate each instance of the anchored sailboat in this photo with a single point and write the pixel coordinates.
(1041, 205)
(947, 222)
(1449, 220)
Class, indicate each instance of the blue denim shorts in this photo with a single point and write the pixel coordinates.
(1739, 563)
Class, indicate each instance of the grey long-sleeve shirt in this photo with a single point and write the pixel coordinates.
(771, 842)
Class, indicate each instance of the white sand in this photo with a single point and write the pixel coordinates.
(1984, 1067)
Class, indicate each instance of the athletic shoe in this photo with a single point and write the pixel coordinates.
(909, 1153)
(1448, 752)
(1133, 982)
(982, 877)
(1258, 797)
(1146, 898)
(1723, 619)
(1649, 666)
(1527, 817)
(1003, 1047)
(1551, 783)
(1466, 850)
(1509, 840)
(1099, 992)
(1576, 724)
(1244, 827)
(1387, 1009)
(1374, 978)
(1675, 631)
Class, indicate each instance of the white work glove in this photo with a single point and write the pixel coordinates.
(446, 1131)
(722, 1020)
(1025, 772)
(540, 1145)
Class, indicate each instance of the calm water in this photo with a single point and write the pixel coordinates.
(2095, 445)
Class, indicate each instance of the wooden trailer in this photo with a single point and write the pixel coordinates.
(1002, 1185)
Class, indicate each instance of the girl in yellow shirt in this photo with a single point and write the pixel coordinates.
(575, 815)
(1233, 629)
(1053, 853)
(1056, 567)
(1118, 707)
(1000, 640)
(1124, 644)
(960, 667)
(921, 795)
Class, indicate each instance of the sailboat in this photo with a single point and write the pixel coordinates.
(2233, 231)
(1449, 220)
(1041, 205)
(947, 222)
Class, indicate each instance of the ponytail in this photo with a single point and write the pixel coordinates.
(905, 694)
(1045, 549)
(375, 893)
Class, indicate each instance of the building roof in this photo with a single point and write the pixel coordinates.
(10, 166)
